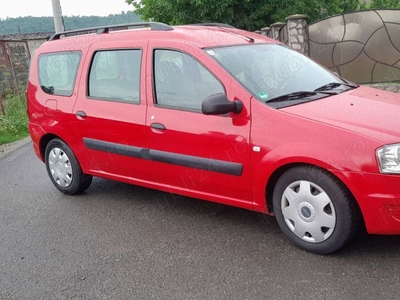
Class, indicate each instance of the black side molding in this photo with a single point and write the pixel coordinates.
(208, 164)
(196, 162)
(121, 149)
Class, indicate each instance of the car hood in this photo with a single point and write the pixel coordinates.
(367, 111)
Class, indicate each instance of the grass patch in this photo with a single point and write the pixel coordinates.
(14, 125)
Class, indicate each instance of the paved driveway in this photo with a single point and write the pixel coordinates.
(119, 241)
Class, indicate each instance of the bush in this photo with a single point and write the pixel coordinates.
(14, 125)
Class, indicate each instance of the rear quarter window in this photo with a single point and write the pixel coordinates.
(57, 72)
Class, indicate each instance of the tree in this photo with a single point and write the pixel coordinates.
(46, 24)
(377, 4)
(246, 14)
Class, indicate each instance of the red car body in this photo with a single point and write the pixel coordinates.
(339, 133)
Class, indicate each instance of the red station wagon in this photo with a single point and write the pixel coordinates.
(221, 114)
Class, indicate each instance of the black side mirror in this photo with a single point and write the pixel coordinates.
(218, 104)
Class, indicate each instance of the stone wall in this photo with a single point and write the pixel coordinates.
(298, 36)
(395, 88)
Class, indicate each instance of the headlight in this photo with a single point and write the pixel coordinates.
(389, 159)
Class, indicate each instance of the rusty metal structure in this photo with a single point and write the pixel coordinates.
(14, 61)
(15, 54)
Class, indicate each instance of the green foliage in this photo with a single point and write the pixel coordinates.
(246, 14)
(46, 24)
(13, 126)
(380, 4)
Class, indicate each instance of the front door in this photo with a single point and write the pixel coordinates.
(205, 156)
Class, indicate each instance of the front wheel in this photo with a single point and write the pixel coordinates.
(314, 210)
(64, 169)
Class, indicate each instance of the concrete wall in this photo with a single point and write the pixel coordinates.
(362, 46)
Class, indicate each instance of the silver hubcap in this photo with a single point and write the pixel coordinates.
(60, 167)
(308, 211)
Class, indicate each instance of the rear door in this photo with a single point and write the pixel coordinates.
(111, 109)
(206, 156)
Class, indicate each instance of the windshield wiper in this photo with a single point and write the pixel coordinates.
(298, 95)
(333, 85)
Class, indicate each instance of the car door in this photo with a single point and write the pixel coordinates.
(111, 110)
(196, 154)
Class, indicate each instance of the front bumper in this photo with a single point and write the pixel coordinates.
(378, 196)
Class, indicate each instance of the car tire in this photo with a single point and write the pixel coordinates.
(64, 170)
(315, 210)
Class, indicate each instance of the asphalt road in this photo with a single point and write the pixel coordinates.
(119, 241)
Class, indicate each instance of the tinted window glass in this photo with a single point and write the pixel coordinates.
(57, 72)
(182, 82)
(114, 75)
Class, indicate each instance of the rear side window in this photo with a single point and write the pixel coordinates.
(114, 75)
(57, 72)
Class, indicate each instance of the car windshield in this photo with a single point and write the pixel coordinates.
(271, 72)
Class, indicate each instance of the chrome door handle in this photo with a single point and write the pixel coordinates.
(158, 126)
(81, 115)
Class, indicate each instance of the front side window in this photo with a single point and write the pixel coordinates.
(114, 75)
(57, 72)
(182, 82)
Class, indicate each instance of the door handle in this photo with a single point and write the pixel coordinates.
(81, 115)
(158, 126)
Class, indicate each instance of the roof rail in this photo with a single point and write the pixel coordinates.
(213, 24)
(105, 29)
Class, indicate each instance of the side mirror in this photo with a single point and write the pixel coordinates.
(218, 104)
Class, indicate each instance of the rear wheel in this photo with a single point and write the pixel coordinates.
(314, 210)
(64, 169)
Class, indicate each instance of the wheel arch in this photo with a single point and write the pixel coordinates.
(63, 168)
(318, 234)
(44, 141)
(273, 178)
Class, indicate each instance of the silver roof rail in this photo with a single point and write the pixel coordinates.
(105, 29)
(213, 24)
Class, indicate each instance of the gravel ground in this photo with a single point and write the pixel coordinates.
(7, 148)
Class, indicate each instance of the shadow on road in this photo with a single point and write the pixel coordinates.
(363, 246)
